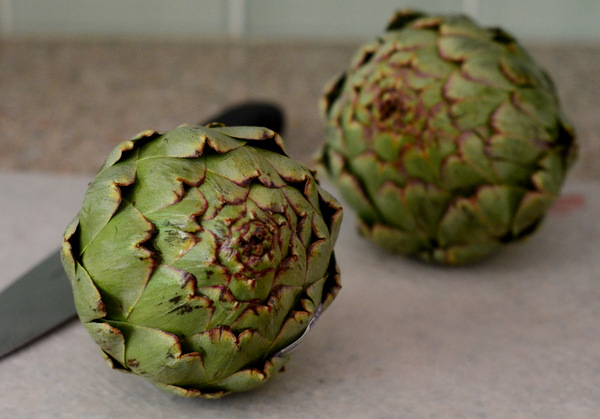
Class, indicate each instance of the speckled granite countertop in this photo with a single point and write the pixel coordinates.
(64, 104)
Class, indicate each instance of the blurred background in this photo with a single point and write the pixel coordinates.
(78, 76)
(557, 20)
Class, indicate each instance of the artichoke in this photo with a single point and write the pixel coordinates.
(446, 138)
(201, 255)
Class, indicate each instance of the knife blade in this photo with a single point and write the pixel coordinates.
(41, 300)
(34, 304)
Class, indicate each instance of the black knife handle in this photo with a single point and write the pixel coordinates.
(253, 113)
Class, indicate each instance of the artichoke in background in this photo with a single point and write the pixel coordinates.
(200, 255)
(446, 138)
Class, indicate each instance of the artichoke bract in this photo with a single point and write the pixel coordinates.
(446, 138)
(200, 257)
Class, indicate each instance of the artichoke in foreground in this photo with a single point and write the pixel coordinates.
(201, 255)
(446, 138)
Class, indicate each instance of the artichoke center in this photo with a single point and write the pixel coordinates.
(391, 104)
(252, 238)
(249, 247)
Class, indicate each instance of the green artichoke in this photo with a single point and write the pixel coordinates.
(446, 138)
(200, 255)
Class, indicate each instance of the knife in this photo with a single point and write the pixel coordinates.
(41, 300)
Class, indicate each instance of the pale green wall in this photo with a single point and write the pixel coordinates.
(562, 20)
(337, 19)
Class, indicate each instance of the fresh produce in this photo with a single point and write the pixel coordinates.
(200, 255)
(446, 138)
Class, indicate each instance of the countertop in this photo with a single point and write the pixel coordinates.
(516, 336)
(64, 104)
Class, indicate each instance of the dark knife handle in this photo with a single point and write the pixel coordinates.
(253, 113)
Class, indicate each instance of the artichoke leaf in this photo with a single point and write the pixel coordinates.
(320, 246)
(462, 26)
(183, 142)
(109, 339)
(411, 242)
(515, 150)
(497, 206)
(540, 105)
(88, 300)
(182, 214)
(429, 62)
(332, 213)
(157, 356)
(258, 287)
(242, 165)
(268, 319)
(461, 177)
(531, 212)
(302, 211)
(169, 303)
(272, 140)
(103, 198)
(484, 66)
(127, 230)
(291, 271)
(224, 353)
(249, 379)
(354, 194)
(459, 48)
(427, 205)
(511, 121)
(390, 201)
(462, 225)
(201, 261)
(551, 174)
(227, 310)
(464, 253)
(219, 192)
(160, 181)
